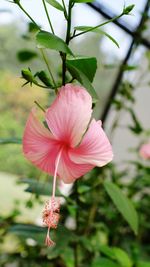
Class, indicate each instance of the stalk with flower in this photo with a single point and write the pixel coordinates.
(69, 143)
(72, 145)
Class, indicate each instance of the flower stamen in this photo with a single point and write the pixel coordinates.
(52, 207)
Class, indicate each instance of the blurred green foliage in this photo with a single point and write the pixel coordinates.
(16, 103)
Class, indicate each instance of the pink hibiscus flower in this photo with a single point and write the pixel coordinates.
(72, 146)
(145, 151)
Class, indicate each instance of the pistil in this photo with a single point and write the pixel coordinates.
(52, 207)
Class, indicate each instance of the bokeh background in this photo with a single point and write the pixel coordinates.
(123, 70)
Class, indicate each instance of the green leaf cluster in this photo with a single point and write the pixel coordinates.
(123, 204)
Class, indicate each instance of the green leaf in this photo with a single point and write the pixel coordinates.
(48, 40)
(16, 2)
(128, 9)
(126, 90)
(136, 128)
(36, 187)
(15, 140)
(65, 236)
(107, 251)
(29, 231)
(122, 257)
(81, 77)
(143, 264)
(55, 4)
(43, 77)
(107, 35)
(83, 189)
(83, 1)
(127, 67)
(21, 227)
(87, 65)
(32, 27)
(25, 55)
(123, 204)
(39, 188)
(103, 262)
(68, 257)
(92, 29)
(117, 254)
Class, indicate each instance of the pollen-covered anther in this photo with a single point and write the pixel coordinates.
(51, 213)
(51, 217)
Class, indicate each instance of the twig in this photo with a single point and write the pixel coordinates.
(48, 16)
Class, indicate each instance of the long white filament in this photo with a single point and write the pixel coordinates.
(51, 211)
(55, 172)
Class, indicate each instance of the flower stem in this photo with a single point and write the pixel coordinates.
(69, 22)
(48, 67)
(27, 14)
(39, 106)
(42, 51)
(42, 86)
(98, 26)
(65, 11)
(46, 11)
(67, 42)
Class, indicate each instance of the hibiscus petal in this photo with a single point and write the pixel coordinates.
(70, 113)
(69, 171)
(145, 151)
(95, 147)
(39, 145)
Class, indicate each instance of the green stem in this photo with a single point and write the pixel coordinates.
(63, 69)
(48, 16)
(48, 67)
(21, 7)
(39, 106)
(42, 86)
(65, 11)
(77, 225)
(67, 42)
(76, 256)
(69, 22)
(92, 214)
(43, 54)
(100, 25)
